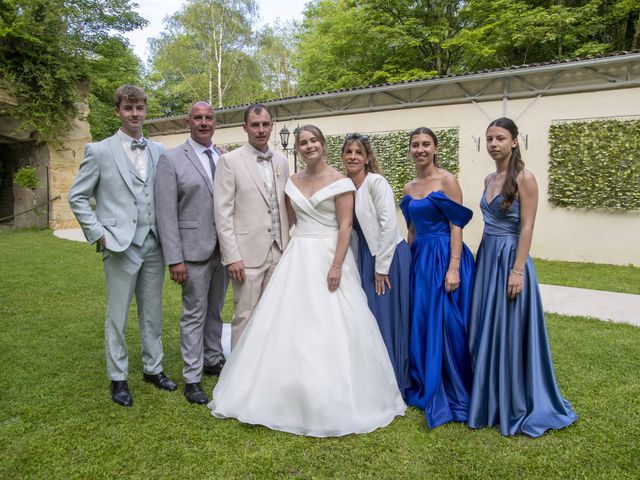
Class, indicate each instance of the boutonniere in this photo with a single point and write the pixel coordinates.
(276, 169)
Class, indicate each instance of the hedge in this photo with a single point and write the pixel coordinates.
(595, 164)
(392, 150)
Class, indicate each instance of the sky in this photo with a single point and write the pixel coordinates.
(155, 11)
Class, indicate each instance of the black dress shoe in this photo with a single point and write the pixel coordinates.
(214, 369)
(160, 380)
(120, 393)
(194, 393)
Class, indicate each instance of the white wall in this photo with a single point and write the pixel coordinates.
(560, 233)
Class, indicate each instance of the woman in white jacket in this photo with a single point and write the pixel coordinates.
(383, 257)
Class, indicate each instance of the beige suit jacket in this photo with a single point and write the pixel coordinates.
(242, 209)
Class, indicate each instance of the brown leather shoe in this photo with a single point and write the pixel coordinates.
(160, 380)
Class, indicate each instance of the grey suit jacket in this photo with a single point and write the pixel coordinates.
(104, 173)
(184, 207)
(242, 207)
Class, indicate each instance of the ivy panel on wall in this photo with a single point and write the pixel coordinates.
(595, 164)
(392, 150)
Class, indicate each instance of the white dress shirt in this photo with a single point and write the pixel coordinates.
(265, 169)
(137, 157)
(204, 159)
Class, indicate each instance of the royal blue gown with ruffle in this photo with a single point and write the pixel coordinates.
(440, 367)
(514, 383)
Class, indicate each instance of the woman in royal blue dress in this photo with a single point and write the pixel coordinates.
(441, 280)
(514, 384)
(382, 255)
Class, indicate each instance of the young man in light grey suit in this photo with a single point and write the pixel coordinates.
(119, 172)
(184, 212)
(250, 213)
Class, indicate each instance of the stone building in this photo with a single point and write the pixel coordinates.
(55, 162)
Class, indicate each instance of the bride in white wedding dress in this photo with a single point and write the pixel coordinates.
(311, 360)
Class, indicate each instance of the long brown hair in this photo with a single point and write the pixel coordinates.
(362, 141)
(516, 164)
(426, 131)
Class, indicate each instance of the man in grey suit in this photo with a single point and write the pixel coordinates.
(119, 172)
(184, 212)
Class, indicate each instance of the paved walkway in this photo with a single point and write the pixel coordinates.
(615, 307)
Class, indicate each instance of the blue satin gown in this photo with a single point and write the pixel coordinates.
(440, 367)
(392, 310)
(514, 384)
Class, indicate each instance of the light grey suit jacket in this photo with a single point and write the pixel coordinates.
(184, 207)
(242, 207)
(104, 173)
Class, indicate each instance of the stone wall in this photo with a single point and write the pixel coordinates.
(56, 163)
(64, 159)
(24, 200)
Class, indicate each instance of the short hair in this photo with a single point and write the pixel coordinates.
(129, 92)
(203, 104)
(257, 108)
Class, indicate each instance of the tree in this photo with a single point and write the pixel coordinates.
(276, 45)
(352, 43)
(205, 52)
(45, 49)
(347, 43)
(502, 33)
(336, 48)
(417, 31)
(112, 64)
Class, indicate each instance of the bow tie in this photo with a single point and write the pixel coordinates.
(142, 144)
(265, 157)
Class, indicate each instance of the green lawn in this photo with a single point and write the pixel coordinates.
(595, 276)
(57, 419)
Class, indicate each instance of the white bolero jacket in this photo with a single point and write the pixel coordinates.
(375, 209)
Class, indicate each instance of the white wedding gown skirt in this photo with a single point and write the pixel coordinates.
(311, 362)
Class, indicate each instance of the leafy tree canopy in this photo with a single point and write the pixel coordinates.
(212, 51)
(351, 43)
(111, 64)
(47, 46)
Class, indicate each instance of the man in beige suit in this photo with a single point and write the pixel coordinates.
(250, 214)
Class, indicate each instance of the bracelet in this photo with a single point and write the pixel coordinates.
(337, 266)
(517, 272)
(453, 256)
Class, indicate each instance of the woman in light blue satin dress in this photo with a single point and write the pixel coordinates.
(514, 383)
